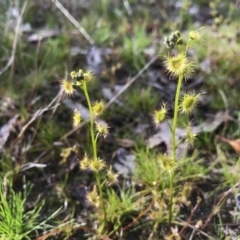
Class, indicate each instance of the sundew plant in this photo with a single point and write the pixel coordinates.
(181, 67)
(105, 201)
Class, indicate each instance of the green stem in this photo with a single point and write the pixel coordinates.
(94, 144)
(173, 132)
(175, 117)
(96, 138)
(174, 145)
(101, 196)
(171, 176)
(187, 46)
(94, 147)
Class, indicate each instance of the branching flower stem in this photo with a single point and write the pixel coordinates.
(173, 132)
(174, 145)
(94, 146)
(91, 120)
(175, 117)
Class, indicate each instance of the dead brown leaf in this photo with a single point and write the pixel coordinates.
(235, 144)
(163, 134)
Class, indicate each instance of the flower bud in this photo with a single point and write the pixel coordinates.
(67, 87)
(179, 65)
(159, 115)
(98, 108)
(76, 118)
(189, 102)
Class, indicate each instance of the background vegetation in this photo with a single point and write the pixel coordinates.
(44, 194)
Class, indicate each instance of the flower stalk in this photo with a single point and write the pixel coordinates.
(95, 164)
(180, 67)
(94, 147)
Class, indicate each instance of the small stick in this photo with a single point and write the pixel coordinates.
(190, 217)
(73, 21)
(220, 202)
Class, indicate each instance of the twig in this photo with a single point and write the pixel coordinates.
(123, 89)
(15, 40)
(57, 230)
(195, 229)
(39, 112)
(138, 217)
(192, 234)
(190, 217)
(36, 115)
(219, 204)
(29, 165)
(128, 7)
(73, 21)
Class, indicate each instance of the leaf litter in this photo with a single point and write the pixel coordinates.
(163, 131)
(163, 134)
(6, 129)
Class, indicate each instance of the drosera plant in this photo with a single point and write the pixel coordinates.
(97, 128)
(152, 175)
(181, 67)
(116, 209)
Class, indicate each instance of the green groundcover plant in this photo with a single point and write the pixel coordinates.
(17, 222)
